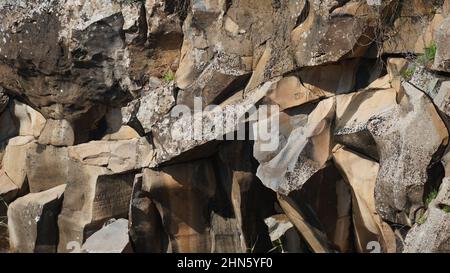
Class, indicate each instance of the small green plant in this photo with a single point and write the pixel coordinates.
(429, 55)
(430, 197)
(422, 219)
(408, 73)
(445, 208)
(169, 76)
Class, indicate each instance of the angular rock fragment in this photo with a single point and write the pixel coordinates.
(361, 174)
(47, 166)
(112, 238)
(304, 149)
(32, 221)
(57, 133)
(92, 197)
(15, 159)
(399, 134)
(31, 122)
(433, 234)
(353, 112)
(177, 133)
(118, 156)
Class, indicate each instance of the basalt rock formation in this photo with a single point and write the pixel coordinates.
(224, 126)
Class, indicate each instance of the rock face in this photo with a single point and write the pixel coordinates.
(404, 157)
(32, 221)
(224, 126)
(432, 235)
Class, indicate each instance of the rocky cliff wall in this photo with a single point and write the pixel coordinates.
(224, 126)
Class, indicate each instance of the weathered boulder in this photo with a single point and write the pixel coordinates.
(442, 59)
(361, 174)
(54, 54)
(183, 130)
(413, 26)
(155, 104)
(123, 133)
(112, 238)
(118, 156)
(93, 196)
(304, 149)
(32, 221)
(57, 133)
(353, 112)
(436, 86)
(47, 166)
(399, 133)
(31, 122)
(8, 192)
(433, 234)
(15, 159)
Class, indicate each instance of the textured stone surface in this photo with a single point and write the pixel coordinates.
(404, 156)
(112, 238)
(304, 150)
(32, 221)
(227, 125)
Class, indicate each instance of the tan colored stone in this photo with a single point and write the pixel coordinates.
(399, 133)
(290, 92)
(57, 133)
(31, 121)
(47, 166)
(124, 133)
(32, 221)
(353, 112)
(396, 68)
(361, 174)
(118, 156)
(258, 72)
(15, 158)
(93, 195)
